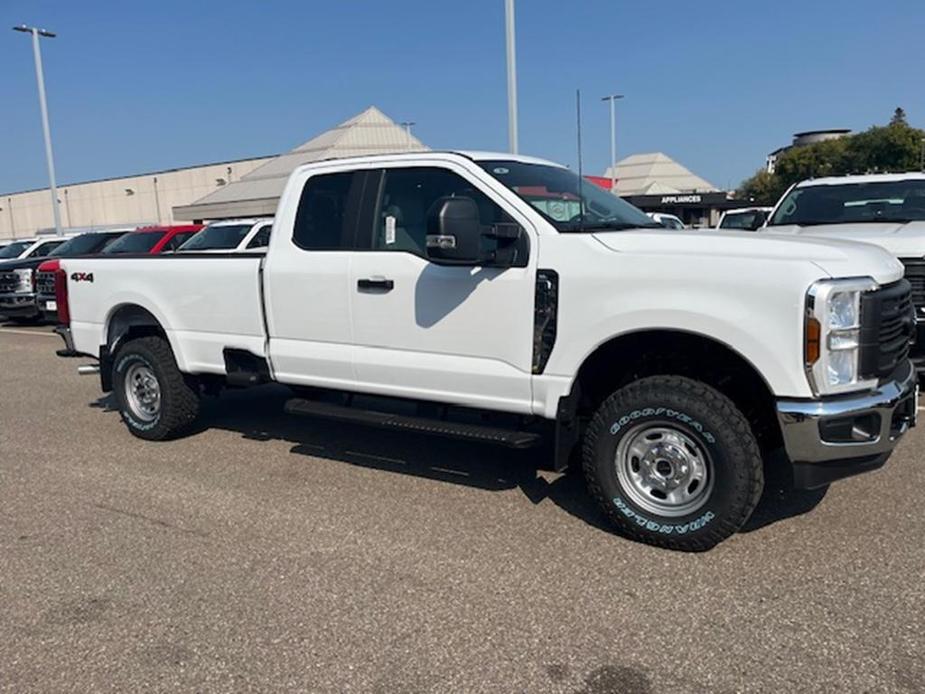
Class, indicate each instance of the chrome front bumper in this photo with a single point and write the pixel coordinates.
(18, 304)
(847, 434)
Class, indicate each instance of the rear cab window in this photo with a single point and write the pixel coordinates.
(328, 209)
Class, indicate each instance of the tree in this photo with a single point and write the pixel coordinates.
(761, 189)
(896, 147)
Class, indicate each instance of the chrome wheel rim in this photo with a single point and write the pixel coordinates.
(142, 392)
(663, 470)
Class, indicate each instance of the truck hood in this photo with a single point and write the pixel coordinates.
(21, 264)
(902, 239)
(835, 258)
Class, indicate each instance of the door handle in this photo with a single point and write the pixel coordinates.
(373, 284)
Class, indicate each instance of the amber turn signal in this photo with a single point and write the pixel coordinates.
(813, 340)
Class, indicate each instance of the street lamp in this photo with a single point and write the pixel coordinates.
(406, 124)
(613, 138)
(511, 76)
(40, 78)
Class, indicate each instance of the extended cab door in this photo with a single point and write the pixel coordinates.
(307, 281)
(446, 333)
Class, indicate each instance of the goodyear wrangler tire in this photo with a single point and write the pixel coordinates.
(155, 399)
(673, 463)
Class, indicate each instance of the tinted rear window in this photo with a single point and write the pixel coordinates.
(136, 242)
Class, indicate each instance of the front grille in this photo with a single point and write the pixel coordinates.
(887, 329)
(45, 284)
(915, 273)
(9, 282)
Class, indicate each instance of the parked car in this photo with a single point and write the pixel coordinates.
(744, 218)
(91, 243)
(18, 281)
(426, 283)
(231, 236)
(887, 210)
(154, 240)
(669, 221)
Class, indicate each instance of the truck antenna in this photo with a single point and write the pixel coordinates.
(581, 204)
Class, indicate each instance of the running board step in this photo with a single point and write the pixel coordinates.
(477, 432)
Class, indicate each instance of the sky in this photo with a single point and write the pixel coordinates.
(136, 87)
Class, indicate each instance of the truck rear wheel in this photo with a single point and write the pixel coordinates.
(155, 399)
(673, 463)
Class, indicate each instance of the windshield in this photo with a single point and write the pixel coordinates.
(135, 242)
(567, 201)
(85, 244)
(749, 220)
(15, 249)
(223, 237)
(853, 203)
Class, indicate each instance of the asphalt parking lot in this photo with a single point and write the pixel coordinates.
(270, 553)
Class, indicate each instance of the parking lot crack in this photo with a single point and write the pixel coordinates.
(148, 519)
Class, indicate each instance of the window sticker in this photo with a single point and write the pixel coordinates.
(389, 230)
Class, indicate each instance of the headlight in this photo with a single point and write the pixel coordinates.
(832, 346)
(25, 280)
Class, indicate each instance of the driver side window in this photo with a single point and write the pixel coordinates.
(406, 200)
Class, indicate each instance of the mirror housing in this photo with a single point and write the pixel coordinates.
(454, 233)
(760, 218)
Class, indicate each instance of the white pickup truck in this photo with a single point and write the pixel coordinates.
(500, 298)
(887, 210)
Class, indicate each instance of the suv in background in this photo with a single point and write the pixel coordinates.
(153, 240)
(231, 236)
(887, 210)
(744, 218)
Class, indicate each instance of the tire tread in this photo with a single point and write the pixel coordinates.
(748, 451)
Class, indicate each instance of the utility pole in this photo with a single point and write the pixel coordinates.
(613, 139)
(40, 78)
(511, 76)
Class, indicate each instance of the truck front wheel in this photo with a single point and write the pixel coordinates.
(673, 463)
(155, 399)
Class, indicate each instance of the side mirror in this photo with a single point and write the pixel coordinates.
(759, 220)
(454, 233)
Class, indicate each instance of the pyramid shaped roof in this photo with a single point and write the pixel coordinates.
(656, 173)
(257, 193)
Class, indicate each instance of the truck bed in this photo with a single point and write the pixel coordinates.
(205, 302)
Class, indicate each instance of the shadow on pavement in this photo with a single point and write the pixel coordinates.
(780, 500)
(257, 414)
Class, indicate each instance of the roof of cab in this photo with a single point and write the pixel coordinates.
(433, 155)
(865, 178)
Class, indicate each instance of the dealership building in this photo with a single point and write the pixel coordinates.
(242, 187)
(655, 182)
(251, 187)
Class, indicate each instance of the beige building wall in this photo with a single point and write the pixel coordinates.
(148, 198)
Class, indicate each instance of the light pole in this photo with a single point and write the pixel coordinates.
(40, 78)
(613, 138)
(406, 124)
(922, 156)
(511, 76)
